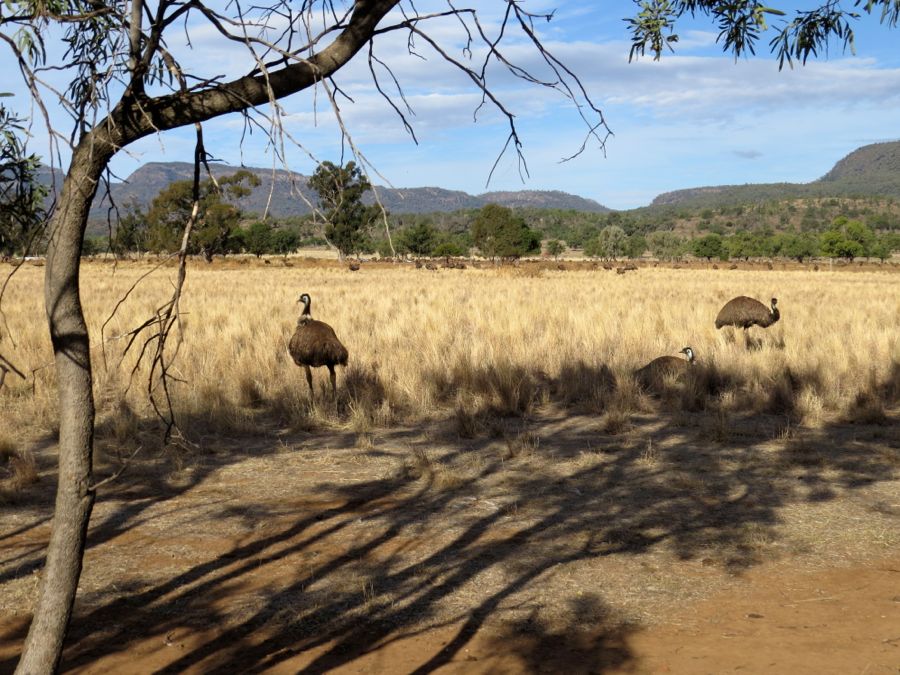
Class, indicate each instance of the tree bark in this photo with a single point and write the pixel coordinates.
(136, 116)
(71, 349)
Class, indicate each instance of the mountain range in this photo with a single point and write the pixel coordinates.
(288, 194)
(872, 170)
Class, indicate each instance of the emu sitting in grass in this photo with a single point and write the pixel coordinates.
(653, 375)
(314, 344)
(743, 312)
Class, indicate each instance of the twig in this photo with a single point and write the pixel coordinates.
(110, 479)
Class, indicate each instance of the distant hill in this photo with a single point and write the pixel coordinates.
(291, 195)
(872, 170)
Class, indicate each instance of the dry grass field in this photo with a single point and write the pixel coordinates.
(490, 464)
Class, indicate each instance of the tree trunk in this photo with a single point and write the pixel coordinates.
(71, 349)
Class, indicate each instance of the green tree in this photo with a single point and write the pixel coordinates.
(449, 248)
(613, 241)
(499, 233)
(131, 234)
(340, 191)
(664, 245)
(217, 219)
(21, 195)
(709, 247)
(797, 246)
(555, 248)
(419, 239)
(744, 245)
(636, 245)
(285, 240)
(880, 248)
(834, 244)
(258, 238)
(859, 232)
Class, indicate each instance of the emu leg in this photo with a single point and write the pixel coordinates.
(309, 380)
(333, 381)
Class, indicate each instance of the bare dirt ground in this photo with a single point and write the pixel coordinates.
(542, 545)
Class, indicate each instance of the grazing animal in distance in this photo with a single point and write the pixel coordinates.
(314, 344)
(743, 312)
(353, 267)
(654, 373)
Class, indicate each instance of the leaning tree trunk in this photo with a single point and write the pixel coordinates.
(71, 349)
(130, 120)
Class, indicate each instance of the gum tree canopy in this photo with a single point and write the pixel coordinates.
(125, 76)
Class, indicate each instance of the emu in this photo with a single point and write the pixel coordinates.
(314, 344)
(653, 374)
(743, 312)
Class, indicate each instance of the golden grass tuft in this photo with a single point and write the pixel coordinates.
(470, 347)
(18, 470)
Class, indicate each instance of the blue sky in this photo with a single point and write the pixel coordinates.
(695, 118)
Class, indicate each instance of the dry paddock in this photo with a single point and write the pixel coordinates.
(491, 491)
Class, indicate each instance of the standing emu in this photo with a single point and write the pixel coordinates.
(654, 373)
(314, 345)
(743, 312)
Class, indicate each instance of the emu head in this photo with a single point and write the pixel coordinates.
(689, 353)
(305, 299)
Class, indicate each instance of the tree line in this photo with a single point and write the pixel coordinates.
(853, 229)
(866, 228)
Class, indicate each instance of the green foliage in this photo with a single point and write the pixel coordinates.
(94, 245)
(555, 248)
(611, 242)
(834, 244)
(340, 191)
(665, 245)
(419, 239)
(745, 245)
(216, 228)
(131, 234)
(285, 240)
(636, 245)
(741, 24)
(499, 233)
(21, 196)
(797, 246)
(258, 238)
(860, 233)
(709, 247)
(847, 239)
(881, 248)
(450, 248)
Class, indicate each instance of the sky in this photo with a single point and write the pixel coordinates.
(696, 117)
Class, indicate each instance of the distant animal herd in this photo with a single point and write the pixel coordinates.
(314, 344)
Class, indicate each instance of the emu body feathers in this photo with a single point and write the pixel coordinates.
(314, 344)
(744, 312)
(654, 373)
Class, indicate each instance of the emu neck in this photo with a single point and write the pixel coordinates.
(305, 315)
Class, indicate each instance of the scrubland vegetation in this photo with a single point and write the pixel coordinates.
(471, 344)
(489, 460)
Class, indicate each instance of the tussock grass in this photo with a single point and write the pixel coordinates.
(18, 470)
(472, 346)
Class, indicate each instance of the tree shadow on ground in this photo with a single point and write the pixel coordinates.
(461, 536)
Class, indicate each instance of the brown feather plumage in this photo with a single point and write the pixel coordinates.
(744, 312)
(654, 373)
(314, 344)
